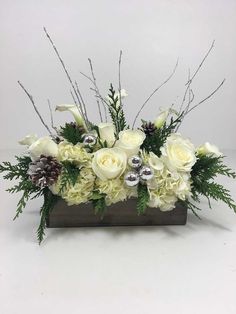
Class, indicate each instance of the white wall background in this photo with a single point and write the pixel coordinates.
(151, 33)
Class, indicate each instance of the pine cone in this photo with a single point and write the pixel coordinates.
(148, 128)
(44, 171)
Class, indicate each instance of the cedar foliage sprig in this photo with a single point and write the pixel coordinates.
(153, 142)
(99, 203)
(72, 133)
(19, 172)
(48, 204)
(204, 171)
(143, 198)
(116, 111)
(69, 175)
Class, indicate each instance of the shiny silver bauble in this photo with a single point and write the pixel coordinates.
(135, 162)
(132, 178)
(89, 139)
(146, 173)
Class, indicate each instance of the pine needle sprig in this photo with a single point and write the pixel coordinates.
(208, 167)
(143, 199)
(203, 173)
(116, 112)
(16, 171)
(19, 172)
(29, 191)
(99, 203)
(194, 208)
(69, 175)
(48, 204)
(153, 142)
(72, 133)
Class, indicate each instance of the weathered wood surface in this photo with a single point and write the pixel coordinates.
(119, 214)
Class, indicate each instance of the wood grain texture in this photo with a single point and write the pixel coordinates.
(119, 214)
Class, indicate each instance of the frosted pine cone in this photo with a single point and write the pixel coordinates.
(44, 171)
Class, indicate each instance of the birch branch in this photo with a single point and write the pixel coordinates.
(155, 90)
(35, 108)
(78, 103)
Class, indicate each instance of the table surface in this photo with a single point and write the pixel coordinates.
(169, 269)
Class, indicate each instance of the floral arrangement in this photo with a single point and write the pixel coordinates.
(110, 161)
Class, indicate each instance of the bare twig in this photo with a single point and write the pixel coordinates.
(82, 100)
(51, 116)
(185, 93)
(73, 97)
(35, 108)
(190, 79)
(96, 94)
(155, 90)
(206, 98)
(97, 91)
(190, 95)
(200, 65)
(78, 103)
(120, 58)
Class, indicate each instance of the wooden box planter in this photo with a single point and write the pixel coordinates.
(119, 214)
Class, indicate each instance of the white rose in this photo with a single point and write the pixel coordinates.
(43, 146)
(28, 139)
(109, 163)
(155, 162)
(209, 149)
(130, 141)
(107, 133)
(179, 153)
(74, 110)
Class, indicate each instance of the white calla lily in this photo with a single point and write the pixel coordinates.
(74, 110)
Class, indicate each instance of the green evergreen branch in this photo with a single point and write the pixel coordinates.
(69, 175)
(48, 204)
(203, 173)
(116, 112)
(19, 172)
(192, 207)
(208, 167)
(143, 199)
(154, 142)
(16, 171)
(72, 133)
(99, 203)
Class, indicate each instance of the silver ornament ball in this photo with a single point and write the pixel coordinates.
(89, 139)
(146, 173)
(135, 162)
(131, 178)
